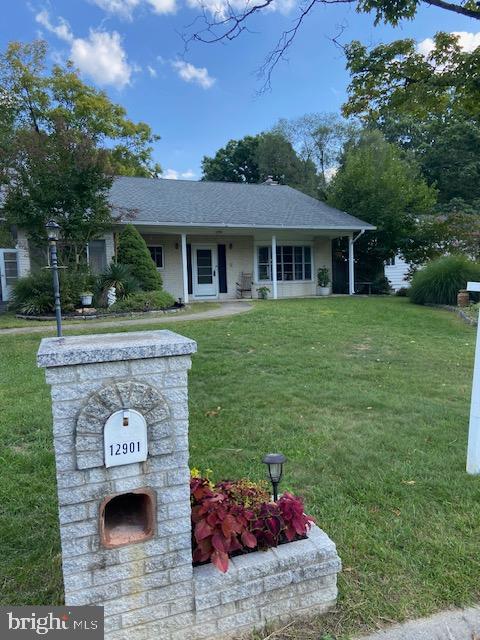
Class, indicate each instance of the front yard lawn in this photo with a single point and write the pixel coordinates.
(368, 399)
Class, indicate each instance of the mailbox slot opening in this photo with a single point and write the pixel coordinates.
(127, 518)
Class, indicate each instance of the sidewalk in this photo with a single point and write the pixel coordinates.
(227, 309)
(458, 624)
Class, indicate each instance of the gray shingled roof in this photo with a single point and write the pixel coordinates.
(227, 204)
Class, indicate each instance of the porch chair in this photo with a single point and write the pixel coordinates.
(244, 285)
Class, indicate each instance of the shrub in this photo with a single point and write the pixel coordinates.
(144, 301)
(133, 252)
(33, 294)
(237, 517)
(440, 280)
(381, 286)
(121, 278)
(403, 292)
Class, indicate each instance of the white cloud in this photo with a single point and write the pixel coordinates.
(125, 8)
(62, 30)
(151, 71)
(222, 8)
(163, 6)
(172, 174)
(100, 56)
(190, 73)
(468, 42)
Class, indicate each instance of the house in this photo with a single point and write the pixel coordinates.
(397, 270)
(204, 235)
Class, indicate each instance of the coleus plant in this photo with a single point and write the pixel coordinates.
(237, 517)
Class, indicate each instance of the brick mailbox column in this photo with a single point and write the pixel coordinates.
(120, 426)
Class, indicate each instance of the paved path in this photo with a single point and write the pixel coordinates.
(226, 309)
(458, 624)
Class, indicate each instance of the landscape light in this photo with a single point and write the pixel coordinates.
(275, 462)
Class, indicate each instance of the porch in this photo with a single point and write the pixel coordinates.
(201, 264)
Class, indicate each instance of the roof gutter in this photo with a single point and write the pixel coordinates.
(199, 225)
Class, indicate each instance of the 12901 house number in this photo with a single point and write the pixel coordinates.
(125, 438)
(124, 448)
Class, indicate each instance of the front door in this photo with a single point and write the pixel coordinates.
(8, 272)
(204, 267)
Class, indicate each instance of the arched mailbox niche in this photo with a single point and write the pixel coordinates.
(125, 438)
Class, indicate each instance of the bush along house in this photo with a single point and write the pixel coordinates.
(223, 240)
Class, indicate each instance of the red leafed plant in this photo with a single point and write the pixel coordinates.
(235, 517)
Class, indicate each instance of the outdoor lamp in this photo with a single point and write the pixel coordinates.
(53, 234)
(275, 462)
(53, 230)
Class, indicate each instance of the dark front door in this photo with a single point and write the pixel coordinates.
(340, 265)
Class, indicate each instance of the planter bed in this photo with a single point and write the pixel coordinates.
(264, 587)
(96, 316)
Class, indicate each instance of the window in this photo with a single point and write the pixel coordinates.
(97, 256)
(293, 263)
(157, 256)
(390, 262)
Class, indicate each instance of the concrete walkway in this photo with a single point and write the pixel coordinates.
(225, 310)
(458, 624)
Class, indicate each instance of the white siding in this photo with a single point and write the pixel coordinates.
(109, 246)
(397, 272)
(239, 259)
(23, 255)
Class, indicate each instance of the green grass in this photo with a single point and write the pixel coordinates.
(369, 400)
(9, 320)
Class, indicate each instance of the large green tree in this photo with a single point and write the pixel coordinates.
(253, 159)
(318, 138)
(61, 142)
(398, 78)
(235, 162)
(428, 103)
(377, 183)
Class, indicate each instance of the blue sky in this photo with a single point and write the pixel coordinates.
(197, 102)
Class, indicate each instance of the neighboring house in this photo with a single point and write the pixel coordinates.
(396, 270)
(203, 236)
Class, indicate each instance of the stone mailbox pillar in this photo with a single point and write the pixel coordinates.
(120, 426)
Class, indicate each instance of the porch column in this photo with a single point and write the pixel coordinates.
(184, 268)
(274, 267)
(351, 266)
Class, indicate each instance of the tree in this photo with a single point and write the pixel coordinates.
(377, 183)
(236, 162)
(396, 78)
(428, 105)
(133, 251)
(61, 142)
(35, 99)
(59, 175)
(255, 158)
(229, 23)
(318, 138)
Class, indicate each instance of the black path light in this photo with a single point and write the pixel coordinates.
(53, 235)
(275, 462)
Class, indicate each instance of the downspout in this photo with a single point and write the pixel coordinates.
(351, 262)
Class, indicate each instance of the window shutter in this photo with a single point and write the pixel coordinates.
(222, 268)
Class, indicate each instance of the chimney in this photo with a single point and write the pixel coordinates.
(270, 181)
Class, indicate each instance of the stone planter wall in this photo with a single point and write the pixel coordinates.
(148, 588)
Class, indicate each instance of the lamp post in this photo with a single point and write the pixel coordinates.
(53, 234)
(275, 462)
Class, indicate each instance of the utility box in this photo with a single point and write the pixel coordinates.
(120, 426)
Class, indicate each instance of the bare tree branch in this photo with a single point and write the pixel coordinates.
(228, 23)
